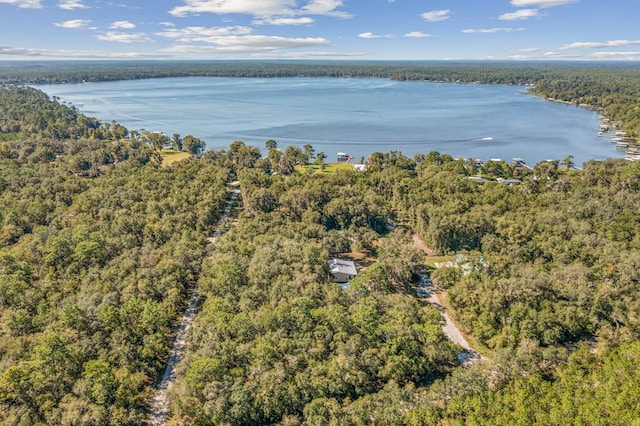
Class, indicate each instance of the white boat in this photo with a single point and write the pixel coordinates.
(632, 157)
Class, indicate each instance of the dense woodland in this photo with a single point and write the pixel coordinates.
(101, 244)
(550, 290)
(95, 267)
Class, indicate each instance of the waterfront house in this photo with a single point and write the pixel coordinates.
(509, 182)
(343, 157)
(477, 179)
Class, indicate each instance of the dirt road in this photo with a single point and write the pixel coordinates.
(159, 410)
(426, 290)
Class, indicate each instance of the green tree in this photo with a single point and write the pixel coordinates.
(568, 162)
(176, 142)
(101, 382)
(156, 139)
(308, 151)
(271, 144)
(399, 257)
(193, 145)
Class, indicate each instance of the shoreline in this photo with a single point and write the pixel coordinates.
(477, 140)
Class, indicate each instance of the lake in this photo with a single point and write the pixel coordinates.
(356, 116)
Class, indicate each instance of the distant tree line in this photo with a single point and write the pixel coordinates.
(29, 113)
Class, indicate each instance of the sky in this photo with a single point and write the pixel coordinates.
(321, 29)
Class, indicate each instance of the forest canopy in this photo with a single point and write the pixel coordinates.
(102, 242)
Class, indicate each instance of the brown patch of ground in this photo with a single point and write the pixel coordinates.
(422, 246)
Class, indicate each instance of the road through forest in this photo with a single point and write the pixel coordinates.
(426, 290)
(159, 410)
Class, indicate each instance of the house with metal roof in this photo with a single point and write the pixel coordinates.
(342, 270)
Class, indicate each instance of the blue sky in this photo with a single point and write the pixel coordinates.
(320, 29)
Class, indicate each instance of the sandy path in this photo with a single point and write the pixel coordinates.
(426, 290)
(159, 410)
(467, 353)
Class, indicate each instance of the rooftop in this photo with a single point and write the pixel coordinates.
(339, 266)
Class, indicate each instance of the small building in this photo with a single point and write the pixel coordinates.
(360, 167)
(509, 182)
(519, 164)
(343, 157)
(342, 270)
(477, 179)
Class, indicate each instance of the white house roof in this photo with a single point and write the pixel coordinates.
(339, 266)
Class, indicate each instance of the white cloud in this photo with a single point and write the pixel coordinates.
(25, 4)
(19, 51)
(625, 55)
(491, 30)
(372, 35)
(556, 55)
(436, 15)
(312, 54)
(283, 21)
(520, 14)
(124, 37)
(417, 34)
(167, 24)
(249, 7)
(231, 39)
(203, 34)
(529, 50)
(541, 3)
(73, 24)
(70, 54)
(260, 8)
(72, 4)
(122, 25)
(598, 44)
(248, 43)
(325, 7)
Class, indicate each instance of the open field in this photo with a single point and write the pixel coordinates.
(328, 168)
(170, 156)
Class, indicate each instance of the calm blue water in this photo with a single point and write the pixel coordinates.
(357, 116)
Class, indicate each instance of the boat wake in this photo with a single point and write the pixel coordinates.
(339, 141)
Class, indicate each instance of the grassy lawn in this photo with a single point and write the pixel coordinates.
(170, 156)
(432, 260)
(328, 168)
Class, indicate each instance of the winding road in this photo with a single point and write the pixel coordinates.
(159, 410)
(466, 354)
